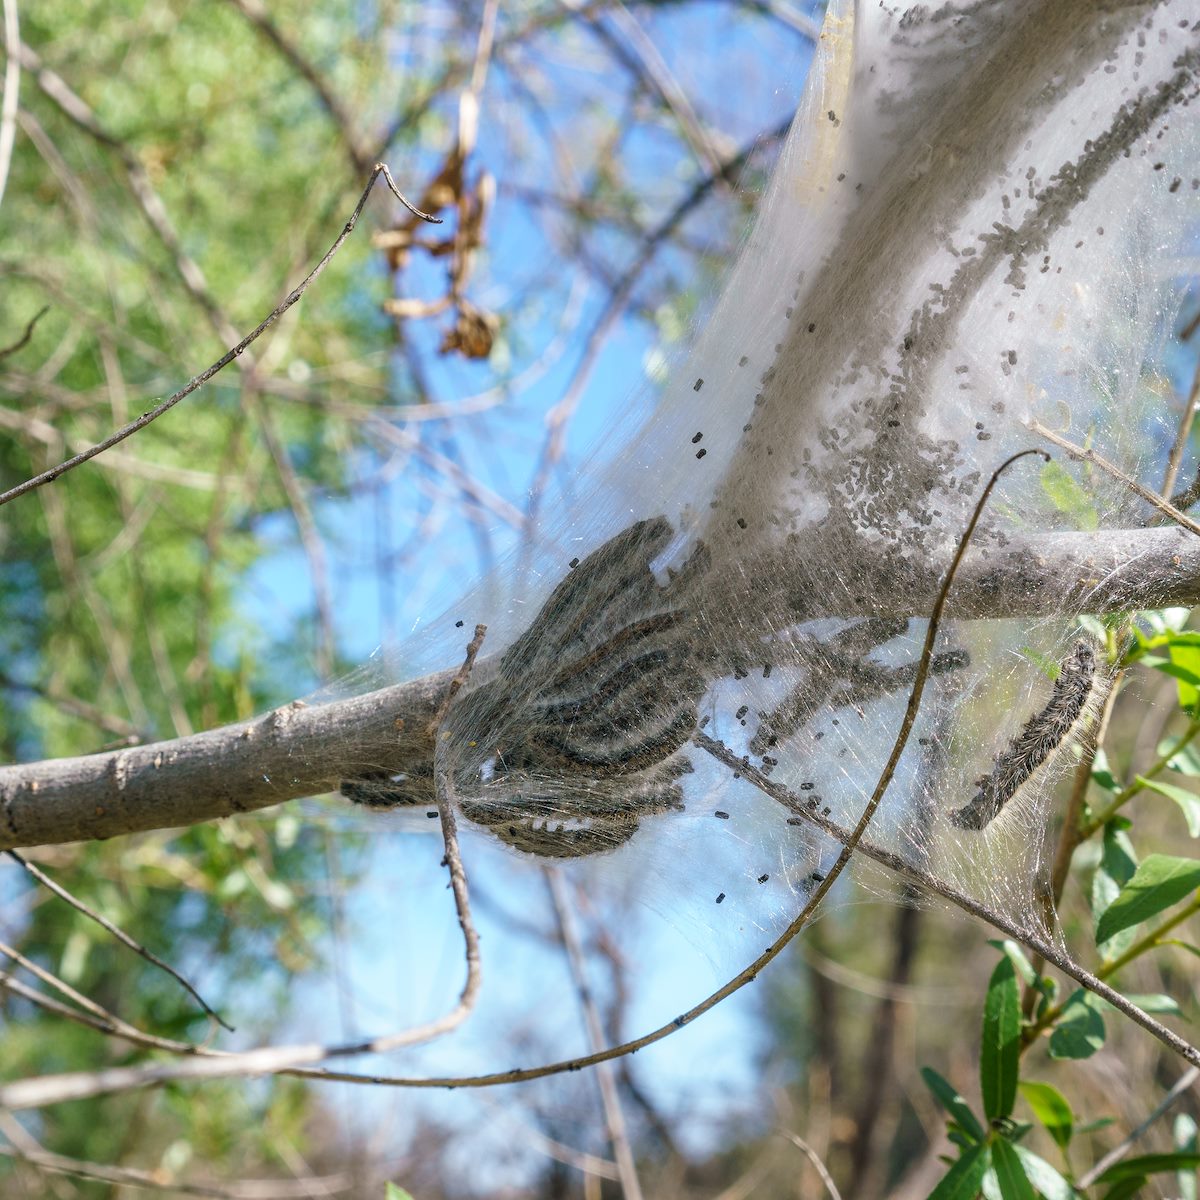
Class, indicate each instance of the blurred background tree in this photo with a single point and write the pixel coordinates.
(175, 168)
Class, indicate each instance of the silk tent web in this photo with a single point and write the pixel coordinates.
(981, 223)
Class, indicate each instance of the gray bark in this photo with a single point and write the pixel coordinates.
(304, 750)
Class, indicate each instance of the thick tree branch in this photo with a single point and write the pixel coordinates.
(302, 750)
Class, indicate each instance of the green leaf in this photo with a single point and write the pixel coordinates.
(1020, 962)
(1118, 862)
(1045, 1179)
(1010, 1174)
(1187, 801)
(1102, 774)
(1183, 1134)
(1079, 1032)
(1186, 760)
(1000, 1048)
(953, 1103)
(1050, 1107)
(393, 1192)
(1050, 667)
(1098, 1124)
(1159, 882)
(1065, 493)
(1156, 1002)
(1126, 1189)
(1151, 1164)
(963, 1179)
(1185, 656)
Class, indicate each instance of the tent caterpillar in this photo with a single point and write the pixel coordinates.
(1039, 738)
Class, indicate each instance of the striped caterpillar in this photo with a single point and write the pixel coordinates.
(1039, 738)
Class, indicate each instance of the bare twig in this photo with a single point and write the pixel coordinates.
(253, 1189)
(559, 417)
(1182, 434)
(209, 1064)
(813, 1158)
(483, 47)
(93, 1017)
(12, 87)
(460, 678)
(23, 340)
(310, 539)
(37, 1092)
(121, 936)
(257, 15)
(75, 707)
(614, 1119)
(1090, 456)
(1118, 1152)
(229, 356)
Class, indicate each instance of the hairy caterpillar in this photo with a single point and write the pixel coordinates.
(1040, 736)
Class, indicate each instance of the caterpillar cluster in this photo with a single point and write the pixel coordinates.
(1039, 738)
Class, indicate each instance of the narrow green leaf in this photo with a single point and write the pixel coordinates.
(1066, 494)
(1079, 1032)
(1188, 803)
(1098, 1124)
(1187, 680)
(1020, 962)
(1050, 1107)
(1000, 1047)
(1159, 882)
(1126, 1189)
(1183, 1134)
(1118, 862)
(1010, 1173)
(1185, 761)
(392, 1192)
(1050, 667)
(943, 1091)
(1151, 1164)
(1045, 1179)
(1185, 657)
(962, 1181)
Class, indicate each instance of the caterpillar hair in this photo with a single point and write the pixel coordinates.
(1064, 715)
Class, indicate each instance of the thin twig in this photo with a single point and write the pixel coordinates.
(1182, 434)
(23, 340)
(815, 1159)
(257, 15)
(252, 1189)
(229, 356)
(75, 707)
(121, 936)
(1090, 456)
(12, 87)
(102, 1022)
(483, 47)
(606, 1081)
(1118, 1152)
(310, 540)
(460, 678)
(559, 417)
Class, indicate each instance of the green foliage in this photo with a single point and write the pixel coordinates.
(1068, 496)
(1000, 1046)
(1159, 882)
(1125, 894)
(1052, 1109)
